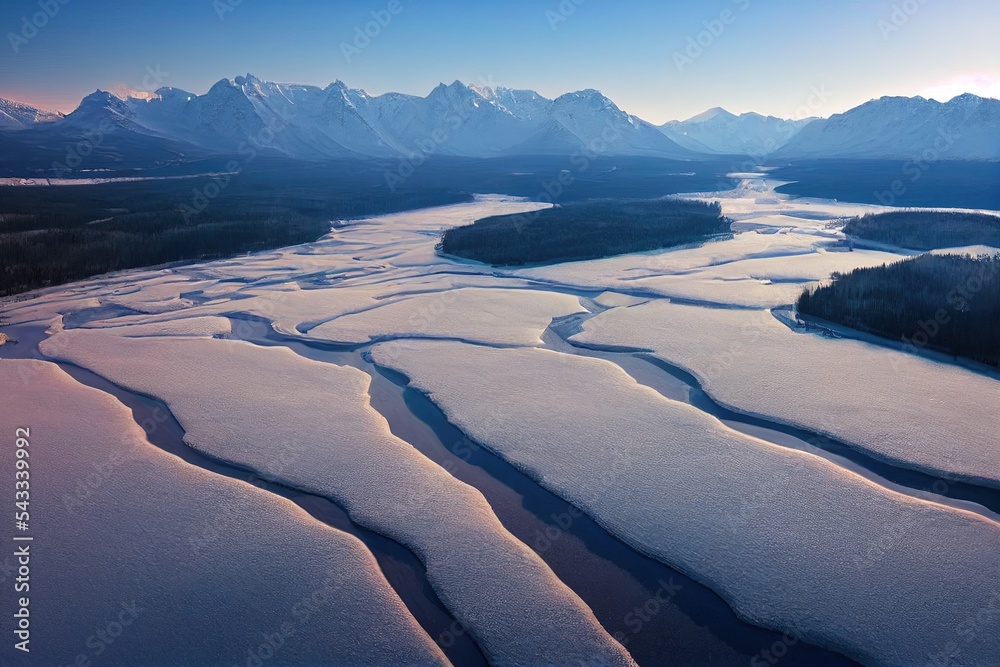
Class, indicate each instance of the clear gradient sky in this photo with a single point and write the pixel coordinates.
(768, 58)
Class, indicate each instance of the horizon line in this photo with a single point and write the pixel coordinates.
(131, 93)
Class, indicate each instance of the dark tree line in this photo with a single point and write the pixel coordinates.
(927, 230)
(941, 302)
(53, 235)
(586, 230)
(948, 184)
(52, 256)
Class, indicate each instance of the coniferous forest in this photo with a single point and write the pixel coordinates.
(947, 303)
(586, 230)
(52, 235)
(927, 230)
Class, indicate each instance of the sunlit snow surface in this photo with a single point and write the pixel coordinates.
(126, 535)
(308, 425)
(927, 414)
(791, 540)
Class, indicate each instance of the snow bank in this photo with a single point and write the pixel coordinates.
(616, 300)
(188, 326)
(620, 272)
(493, 316)
(286, 307)
(790, 539)
(43, 309)
(923, 414)
(125, 533)
(764, 282)
(322, 435)
(972, 250)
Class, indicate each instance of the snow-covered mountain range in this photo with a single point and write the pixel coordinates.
(17, 116)
(309, 122)
(718, 131)
(337, 121)
(967, 127)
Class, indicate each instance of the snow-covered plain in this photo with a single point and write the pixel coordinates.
(786, 244)
(916, 412)
(125, 533)
(806, 544)
(833, 557)
(322, 436)
(496, 316)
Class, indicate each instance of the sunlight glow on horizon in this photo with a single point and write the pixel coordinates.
(983, 85)
(766, 59)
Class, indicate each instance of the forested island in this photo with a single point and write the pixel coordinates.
(586, 230)
(947, 303)
(927, 230)
(55, 234)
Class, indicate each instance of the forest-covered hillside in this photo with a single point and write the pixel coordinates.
(942, 302)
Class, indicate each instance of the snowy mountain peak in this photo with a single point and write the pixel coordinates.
(170, 93)
(98, 108)
(719, 131)
(222, 85)
(453, 91)
(970, 100)
(486, 92)
(589, 99)
(904, 128)
(484, 121)
(453, 87)
(899, 101)
(711, 114)
(248, 80)
(17, 116)
(101, 99)
(585, 94)
(526, 105)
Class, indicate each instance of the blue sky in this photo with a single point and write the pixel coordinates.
(769, 56)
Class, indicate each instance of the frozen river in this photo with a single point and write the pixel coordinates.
(636, 459)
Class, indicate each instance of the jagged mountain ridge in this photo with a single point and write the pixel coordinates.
(248, 115)
(309, 122)
(18, 116)
(719, 131)
(904, 128)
